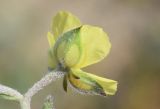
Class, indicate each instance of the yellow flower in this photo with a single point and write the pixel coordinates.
(74, 46)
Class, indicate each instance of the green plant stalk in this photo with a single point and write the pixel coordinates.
(25, 104)
(25, 100)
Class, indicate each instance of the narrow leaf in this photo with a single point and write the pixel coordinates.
(9, 93)
(48, 103)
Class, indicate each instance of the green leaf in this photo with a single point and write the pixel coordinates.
(48, 103)
(9, 93)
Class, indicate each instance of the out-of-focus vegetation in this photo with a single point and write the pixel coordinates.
(134, 30)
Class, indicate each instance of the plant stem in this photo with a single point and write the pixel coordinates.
(46, 80)
(25, 100)
(10, 93)
(25, 104)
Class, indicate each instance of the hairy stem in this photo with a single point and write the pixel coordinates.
(10, 93)
(46, 80)
(25, 104)
(25, 100)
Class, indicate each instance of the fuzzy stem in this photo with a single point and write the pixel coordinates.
(10, 93)
(25, 104)
(25, 100)
(46, 80)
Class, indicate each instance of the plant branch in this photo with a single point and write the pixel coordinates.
(46, 80)
(10, 93)
(25, 100)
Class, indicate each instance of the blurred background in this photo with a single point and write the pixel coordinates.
(134, 61)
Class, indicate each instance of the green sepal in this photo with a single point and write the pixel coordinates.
(65, 83)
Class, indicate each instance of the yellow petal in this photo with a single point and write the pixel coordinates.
(51, 58)
(67, 49)
(91, 83)
(95, 45)
(52, 62)
(64, 21)
(51, 39)
(82, 46)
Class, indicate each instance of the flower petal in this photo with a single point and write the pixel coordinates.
(91, 83)
(82, 46)
(51, 58)
(51, 39)
(64, 21)
(52, 62)
(95, 45)
(67, 48)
